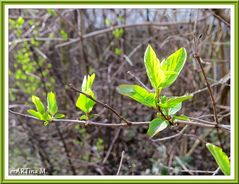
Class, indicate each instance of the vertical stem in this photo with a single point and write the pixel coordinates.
(66, 150)
(157, 92)
(209, 89)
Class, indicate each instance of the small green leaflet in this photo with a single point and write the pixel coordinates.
(184, 118)
(220, 157)
(175, 109)
(137, 93)
(155, 73)
(83, 102)
(39, 105)
(59, 116)
(35, 114)
(155, 126)
(173, 101)
(51, 103)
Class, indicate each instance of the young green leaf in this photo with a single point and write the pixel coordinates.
(137, 93)
(39, 105)
(59, 116)
(175, 109)
(174, 63)
(46, 116)
(84, 117)
(51, 103)
(220, 157)
(83, 102)
(35, 114)
(155, 74)
(184, 118)
(173, 101)
(155, 126)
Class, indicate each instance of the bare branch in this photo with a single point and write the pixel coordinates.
(223, 127)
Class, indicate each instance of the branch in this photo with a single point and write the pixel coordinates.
(114, 125)
(121, 161)
(101, 103)
(198, 58)
(110, 29)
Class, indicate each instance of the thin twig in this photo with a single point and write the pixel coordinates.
(223, 127)
(111, 146)
(171, 137)
(216, 171)
(193, 171)
(198, 58)
(121, 161)
(182, 165)
(139, 81)
(103, 31)
(101, 103)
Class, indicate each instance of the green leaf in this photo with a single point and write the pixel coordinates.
(175, 109)
(220, 157)
(155, 126)
(20, 21)
(83, 102)
(35, 114)
(173, 101)
(184, 118)
(87, 82)
(137, 93)
(51, 103)
(178, 99)
(64, 35)
(59, 116)
(155, 74)
(174, 63)
(39, 105)
(84, 117)
(46, 116)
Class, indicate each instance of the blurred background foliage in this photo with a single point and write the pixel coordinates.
(50, 48)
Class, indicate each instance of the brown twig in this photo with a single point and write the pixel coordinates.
(223, 127)
(172, 136)
(138, 80)
(111, 145)
(101, 103)
(198, 58)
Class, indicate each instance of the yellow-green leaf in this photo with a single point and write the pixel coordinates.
(59, 116)
(155, 126)
(35, 114)
(84, 103)
(174, 63)
(155, 74)
(137, 93)
(220, 157)
(39, 105)
(51, 103)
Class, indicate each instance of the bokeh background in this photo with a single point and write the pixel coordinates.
(50, 48)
